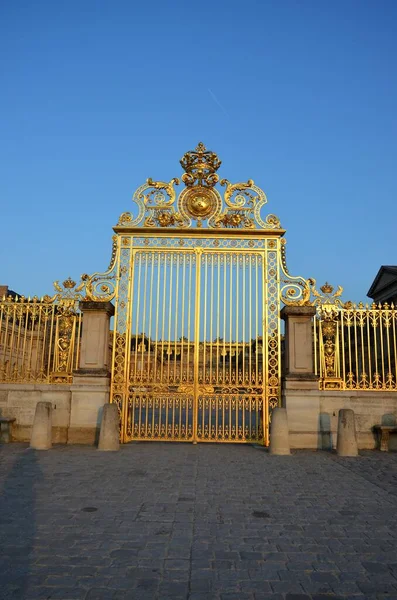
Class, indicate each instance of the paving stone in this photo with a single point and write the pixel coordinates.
(374, 567)
(99, 594)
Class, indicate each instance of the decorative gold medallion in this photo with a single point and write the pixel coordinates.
(199, 202)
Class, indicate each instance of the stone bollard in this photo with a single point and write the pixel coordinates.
(346, 443)
(41, 438)
(279, 434)
(109, 439)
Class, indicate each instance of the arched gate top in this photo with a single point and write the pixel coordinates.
(199, 205)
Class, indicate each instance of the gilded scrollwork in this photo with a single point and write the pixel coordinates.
(200, 203)
(101, 287)
(243, 203)
(294, 291)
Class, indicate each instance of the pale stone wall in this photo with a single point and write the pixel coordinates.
(313, 414)
(19, 401)
(76, 408)
(89, 394)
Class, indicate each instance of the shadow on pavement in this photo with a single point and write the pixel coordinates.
(17, 523)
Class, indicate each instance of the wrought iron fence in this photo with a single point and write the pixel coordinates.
(40, 337)
(355, 346)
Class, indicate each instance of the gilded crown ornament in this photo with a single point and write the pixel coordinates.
(69, 283)
(200, 167)
(327, 288)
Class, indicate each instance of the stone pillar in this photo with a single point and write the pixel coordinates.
(42, 427)
(94, 352)
(300, 393)
(91, 381)
(109, 435)
(279, 435)
(298, 341)
(346, 443)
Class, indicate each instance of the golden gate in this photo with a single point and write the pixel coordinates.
(197, 279)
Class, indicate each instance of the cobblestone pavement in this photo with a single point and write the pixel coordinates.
(177, 521)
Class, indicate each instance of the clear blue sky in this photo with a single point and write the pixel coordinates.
(98, 96)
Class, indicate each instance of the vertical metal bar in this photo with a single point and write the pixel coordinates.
(141, 399)
(169, 322)
(265, 345)
(381, 345)
(224, 320)
(155, 376)
(150, 349)
(315, 344)
(176, 313)
(388, 345)
(6, 339)
(368, 329)
(342, 321)
(145, 289)
(191, 263)
(77, 360)
(237, 317)
(196, 340)
(39, 366)
(219, 256)
(376, 321)
(230, 316)
(212, 316)
(164, 255)
(21, 309)
(25, 333)
(155, 400)
(244, 316)
(12, 342)
(257, 322)
(137, 313)
(362, 344)
(224, 396)
(115, 325)
(394, 344)
(3, 338)
(128, 337)
(51, 353)
(149, 401)
(322, 352)
(349, 336)
(183, 319)
(204, 363)
(356, 347)
(250, 319)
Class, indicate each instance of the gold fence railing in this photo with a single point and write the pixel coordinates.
(355, 346)
(40, 338)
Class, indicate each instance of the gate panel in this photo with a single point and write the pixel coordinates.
(161, 374)
(162, 417)
(231, 396)
(230, 418)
